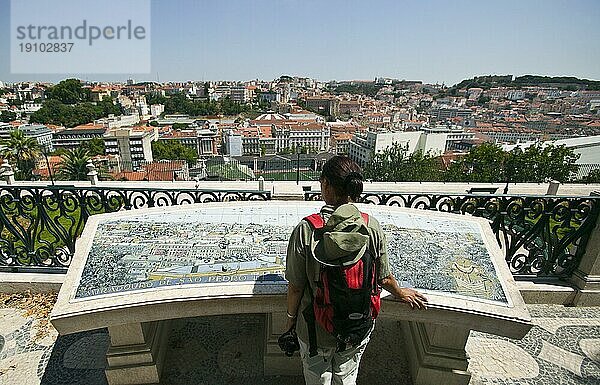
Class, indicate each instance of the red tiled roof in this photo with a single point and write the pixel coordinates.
(178, 134)
(265, 131)
(89, 126)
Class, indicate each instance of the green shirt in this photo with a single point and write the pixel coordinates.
(302, 268)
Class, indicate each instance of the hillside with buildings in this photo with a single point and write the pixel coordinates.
(273, 128)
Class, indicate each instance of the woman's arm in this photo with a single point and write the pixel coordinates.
(294, 295)
(410, 296)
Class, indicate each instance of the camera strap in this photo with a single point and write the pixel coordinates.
(309, 317)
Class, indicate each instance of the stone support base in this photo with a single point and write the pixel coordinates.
(586, 277)
(276, 363)
(136, 353)
(589, 287)
(436, 353)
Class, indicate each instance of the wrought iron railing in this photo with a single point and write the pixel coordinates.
(39, 225)
(583, 172)
(541, 236)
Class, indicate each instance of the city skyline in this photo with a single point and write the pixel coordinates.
(436, 42)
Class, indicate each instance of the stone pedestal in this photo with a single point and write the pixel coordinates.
(436, 353)
(276, 363)
(586, 277)
(136, 352)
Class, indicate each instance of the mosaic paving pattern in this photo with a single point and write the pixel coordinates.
(248, 244)
(17, 343)
(563, 348)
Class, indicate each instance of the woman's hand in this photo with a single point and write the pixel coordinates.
(412, 297)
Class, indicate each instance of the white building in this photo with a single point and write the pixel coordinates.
(71, 138)
(232, 143)
(133, 145)
(39, 132)
(156, 110)
(240, 94)
(588, 147)
(512, 136)
(515, 94)
(30, 108)
(297, 135)
(113, 122)
(202, 140)
(363, 146)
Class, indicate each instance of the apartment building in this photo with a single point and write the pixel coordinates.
(71, 138)
(301, 134)
(232, 143)
(362, 146)
(240, 94)
(323, 105)
(132, 144)
(113, 122)
(41, 133)
(203, 141)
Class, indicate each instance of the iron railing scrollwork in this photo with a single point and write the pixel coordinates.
(39, 225)
(541, 236)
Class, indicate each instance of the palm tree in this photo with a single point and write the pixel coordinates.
(22, 151)
(73, 164)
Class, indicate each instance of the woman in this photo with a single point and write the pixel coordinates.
(341, 184)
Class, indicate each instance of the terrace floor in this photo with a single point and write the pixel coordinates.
(562, 348)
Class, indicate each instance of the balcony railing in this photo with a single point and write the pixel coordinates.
(39, 225)
(541, 236)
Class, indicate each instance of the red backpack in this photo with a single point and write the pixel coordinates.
(347, 299)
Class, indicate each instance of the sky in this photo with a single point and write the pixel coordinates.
(436, 41)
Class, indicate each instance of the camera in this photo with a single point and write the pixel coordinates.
(288, 342)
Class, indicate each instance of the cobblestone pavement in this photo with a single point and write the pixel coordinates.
(562, 348)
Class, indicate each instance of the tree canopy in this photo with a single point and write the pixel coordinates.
(69, 104)
(487, 162)
(7, 116)
(73, 165)
(593, 176)
(21, 151)
(94, 146)
(394, 164)
(162, 150)
(55, 112)
(180, 104)
(365, 88)
(69, 91)
(562, 82)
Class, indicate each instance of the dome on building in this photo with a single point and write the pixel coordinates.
(271, 117)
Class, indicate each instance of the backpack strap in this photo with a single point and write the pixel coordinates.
(316, 221)
(311, 324)
(365, 217)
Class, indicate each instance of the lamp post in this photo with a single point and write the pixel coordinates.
(509, 168)
(297, 165)
(45, 153)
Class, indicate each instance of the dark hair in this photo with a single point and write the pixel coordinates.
(345, 176)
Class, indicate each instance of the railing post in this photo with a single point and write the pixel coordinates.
(553, 187)
(7, 172)
(586, 278)
(261, 183)
(92, 173)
